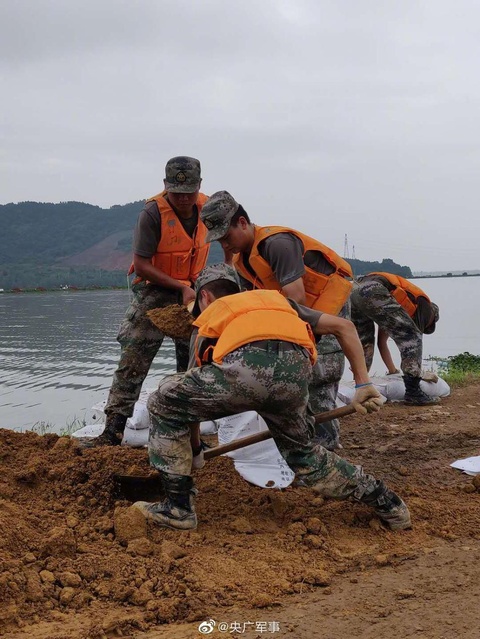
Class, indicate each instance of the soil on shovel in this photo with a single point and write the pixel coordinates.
(174, 320)
(75, 561)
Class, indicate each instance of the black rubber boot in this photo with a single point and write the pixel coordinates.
(111, 436)
(414, 394)
(177, 511)
(388, 506)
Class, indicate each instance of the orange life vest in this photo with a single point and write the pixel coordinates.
(327, 293)
(179, 255)
(405, 292)
(236, 320)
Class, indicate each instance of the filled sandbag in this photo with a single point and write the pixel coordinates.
(260, 464)
(392, 388)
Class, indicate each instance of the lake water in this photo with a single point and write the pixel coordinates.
(58, 350)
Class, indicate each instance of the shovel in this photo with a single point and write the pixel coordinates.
(147, 487)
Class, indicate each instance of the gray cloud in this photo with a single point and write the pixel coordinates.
(332, 117)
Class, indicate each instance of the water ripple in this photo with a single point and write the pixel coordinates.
(58, 353)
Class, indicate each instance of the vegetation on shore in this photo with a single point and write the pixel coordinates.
(459, 370)
(79, 245)
(41, 427)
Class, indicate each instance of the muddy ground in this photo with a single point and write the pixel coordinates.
(77, 562)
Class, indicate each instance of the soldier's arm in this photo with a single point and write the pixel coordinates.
(385, 353)
(284, 253)
(366, 398)
(295, 291)
(346, 333)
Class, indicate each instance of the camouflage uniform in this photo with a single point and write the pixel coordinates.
(140, 341)
(271, 378)
(373, 304)
(323, 387)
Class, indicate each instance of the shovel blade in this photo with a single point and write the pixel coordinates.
(137, 488)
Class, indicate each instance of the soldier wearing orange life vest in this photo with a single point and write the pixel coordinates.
(402, 311)
(303, 269)
(254, 351)
(169, 251)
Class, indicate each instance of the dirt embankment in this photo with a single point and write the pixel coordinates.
(75, 561)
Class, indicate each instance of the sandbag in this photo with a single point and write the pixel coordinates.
(135, 438)
(392, 388)
(260, 464)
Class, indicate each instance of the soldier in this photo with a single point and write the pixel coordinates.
(403, 312)
(304, 270)
(254, 352)
(169, 251)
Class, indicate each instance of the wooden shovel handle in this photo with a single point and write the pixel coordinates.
(266, 434)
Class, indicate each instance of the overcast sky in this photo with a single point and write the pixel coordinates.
(333, 117)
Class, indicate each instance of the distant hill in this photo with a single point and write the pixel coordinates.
(78, 244)
(361, 267)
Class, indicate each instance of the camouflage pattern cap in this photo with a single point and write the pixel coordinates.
(182, 175)
(217, 213)
(212, 273)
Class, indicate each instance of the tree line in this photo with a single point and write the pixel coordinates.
(36, 236)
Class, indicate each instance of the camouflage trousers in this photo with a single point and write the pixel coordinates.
(373, 304)
(323, 387)
(272, 381)
(140, 341)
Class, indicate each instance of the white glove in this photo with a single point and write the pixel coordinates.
(198, 461)
(430, 376)
(367, 399)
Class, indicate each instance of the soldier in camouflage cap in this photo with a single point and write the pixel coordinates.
(213, 273)
(182, 175)
(169, 250)
(254, 351)
(218, 214)
(403, 312)
(294, 260)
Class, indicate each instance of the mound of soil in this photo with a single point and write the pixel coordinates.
(75, 556)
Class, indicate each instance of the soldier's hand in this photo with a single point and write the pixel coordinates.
(430, 376)
(188, 295)
(367, 399)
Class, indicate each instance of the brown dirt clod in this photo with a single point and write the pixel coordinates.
(174, 321)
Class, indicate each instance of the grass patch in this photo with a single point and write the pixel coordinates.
(459, 370)
(41, 428)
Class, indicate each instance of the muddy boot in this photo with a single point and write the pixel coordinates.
(111, 436)
(414, 394)
(177, 511)
(388, 506)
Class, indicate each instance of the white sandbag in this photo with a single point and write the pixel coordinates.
(260, 464)
(392, 388)
(140, 419)
(131, 437)
(135, 438)
(91, 430)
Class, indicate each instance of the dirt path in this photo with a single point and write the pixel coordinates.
(74, 563)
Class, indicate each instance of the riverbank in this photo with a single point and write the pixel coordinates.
(75, 562)
(42, 289)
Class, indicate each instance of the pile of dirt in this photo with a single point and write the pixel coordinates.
(71, 549)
